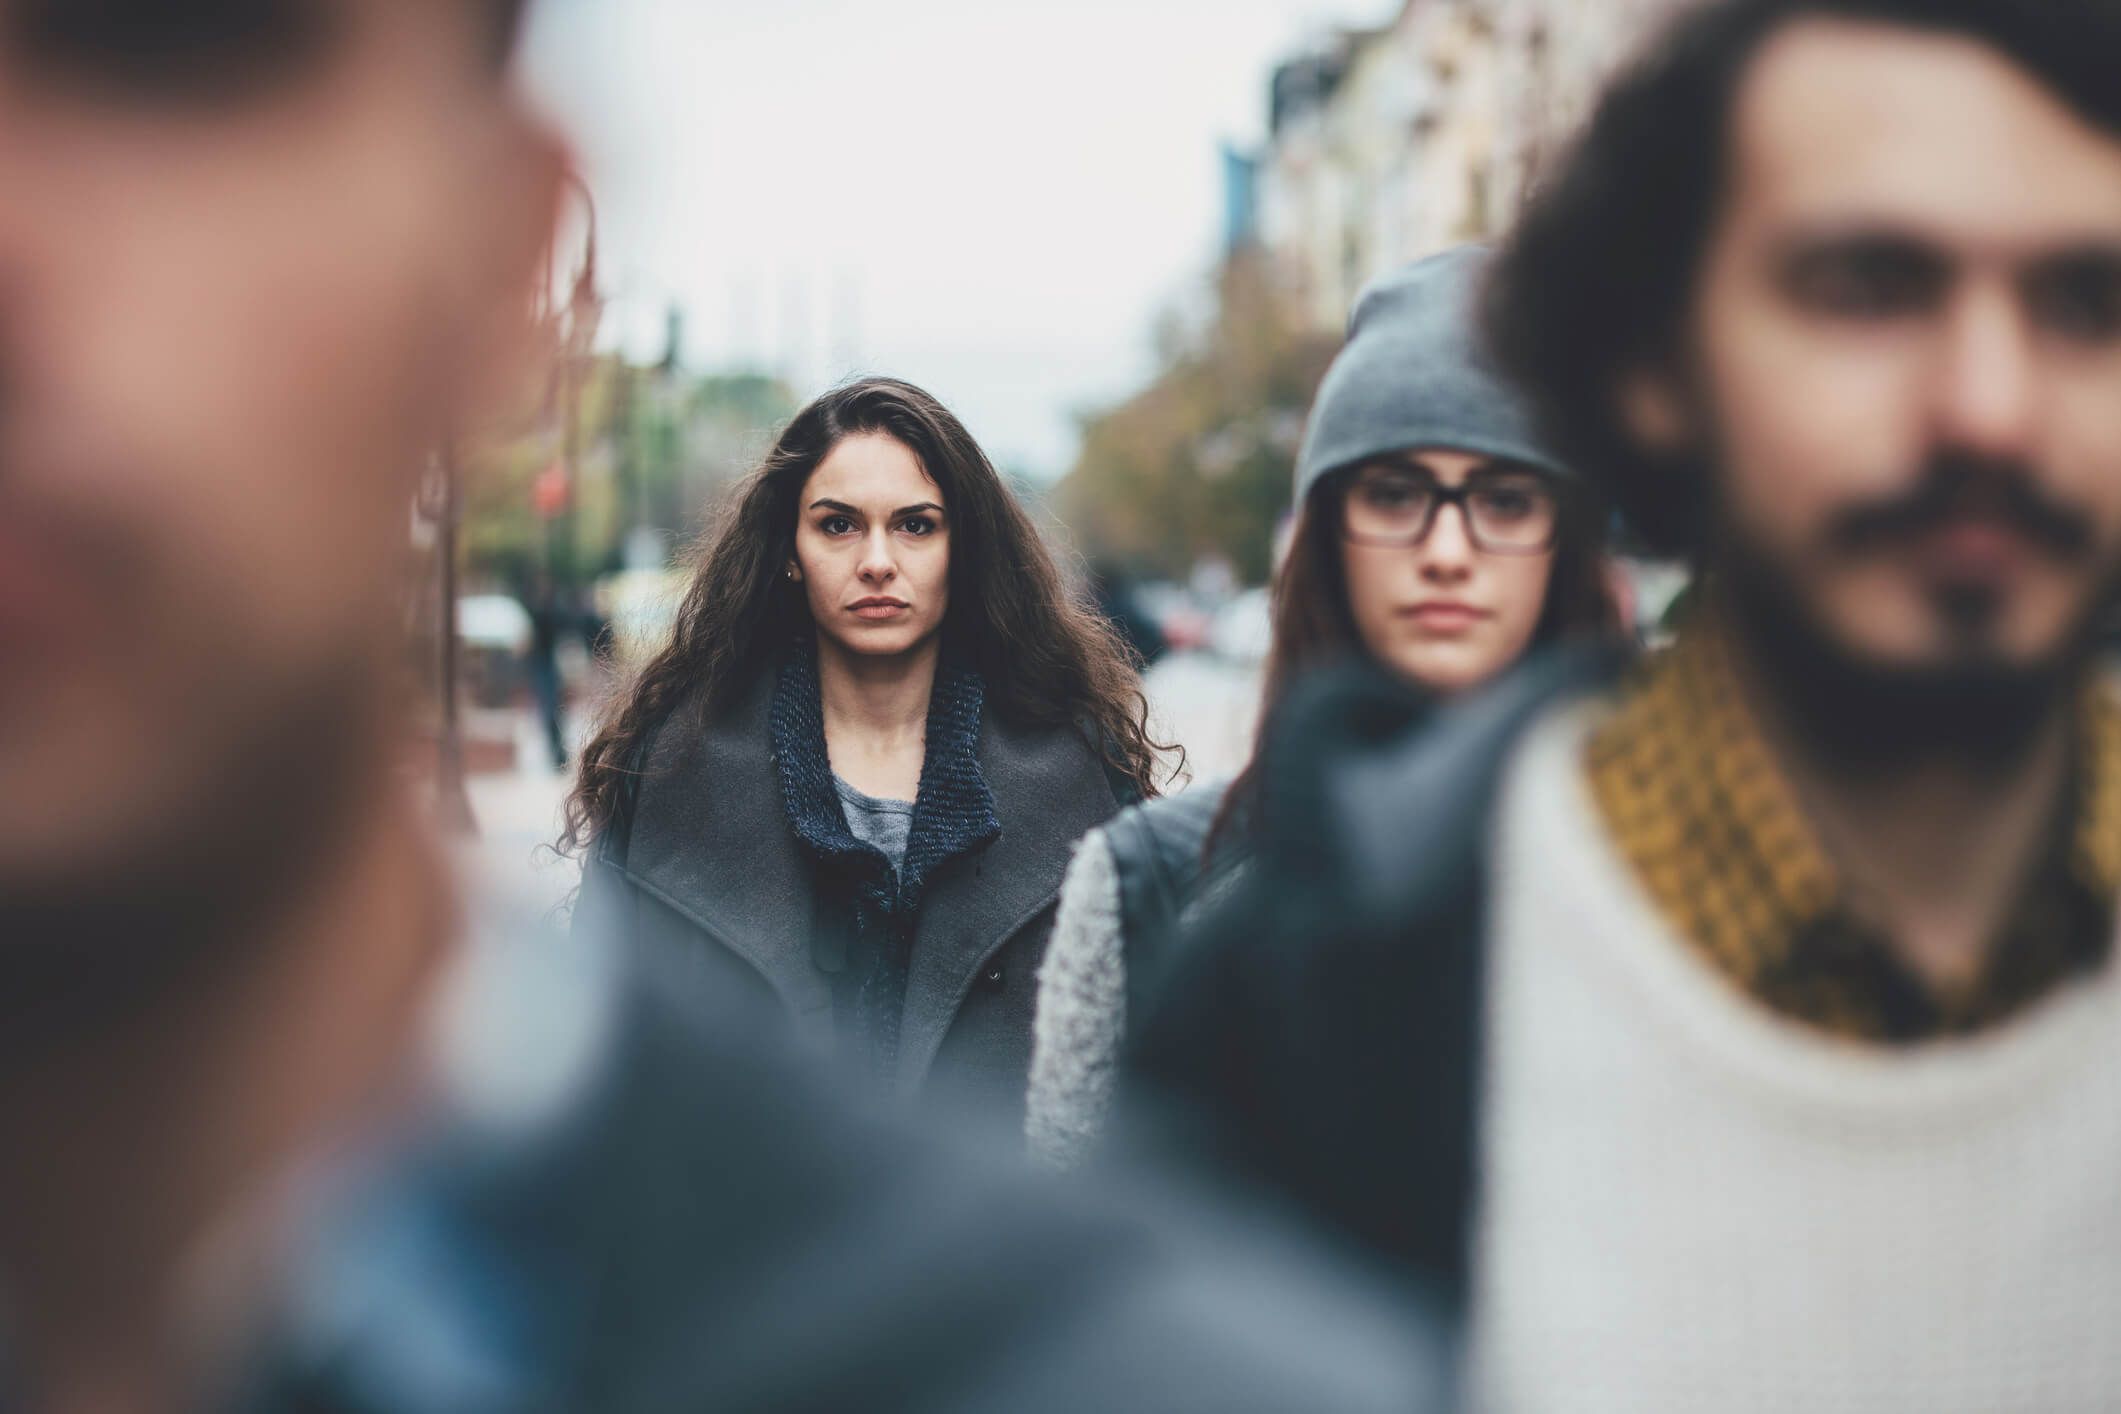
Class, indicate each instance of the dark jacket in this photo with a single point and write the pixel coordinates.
(1160, 858)
(632, 1202)
(1318, 1036)
(1139, 889)
(709, 859)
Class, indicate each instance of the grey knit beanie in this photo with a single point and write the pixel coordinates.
(1414, 373)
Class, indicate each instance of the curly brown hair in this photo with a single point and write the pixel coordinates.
(1046, 658)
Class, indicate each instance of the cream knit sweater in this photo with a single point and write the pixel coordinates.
(1690, 1204)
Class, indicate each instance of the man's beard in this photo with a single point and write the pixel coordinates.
(1971, 707)
(173, 900)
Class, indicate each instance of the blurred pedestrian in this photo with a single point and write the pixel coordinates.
(551, 617)
(1743, 1034)
(1437, 540)
(1119, 599)
(860, 764)
(288, 1124)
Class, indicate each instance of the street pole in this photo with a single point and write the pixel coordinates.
(559, 528)
(444, 498)
(452, 798)
(584, 310)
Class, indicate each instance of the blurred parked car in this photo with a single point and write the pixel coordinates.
(1120, 600)
(1183, 623)
(493, 633)
(1243, 630)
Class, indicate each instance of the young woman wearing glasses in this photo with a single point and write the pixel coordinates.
(1436, 539)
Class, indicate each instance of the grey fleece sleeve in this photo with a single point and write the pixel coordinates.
(1081, 1016)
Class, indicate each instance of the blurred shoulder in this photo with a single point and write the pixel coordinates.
(1382, 802)
(1171, 830)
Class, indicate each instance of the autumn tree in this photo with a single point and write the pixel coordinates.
(1200, 461)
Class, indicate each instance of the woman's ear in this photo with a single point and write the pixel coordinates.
(794, 572)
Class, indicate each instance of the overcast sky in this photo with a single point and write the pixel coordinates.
(994, 198)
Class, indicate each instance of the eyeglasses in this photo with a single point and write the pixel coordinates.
(1508, 512)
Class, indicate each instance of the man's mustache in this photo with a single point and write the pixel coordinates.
(1955, 488)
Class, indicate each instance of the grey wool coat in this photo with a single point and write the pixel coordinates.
(709, 869)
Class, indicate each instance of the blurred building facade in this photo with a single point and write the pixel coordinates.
(1383, 145)
(1386, 144)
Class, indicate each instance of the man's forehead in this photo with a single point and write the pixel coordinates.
(1851, 123)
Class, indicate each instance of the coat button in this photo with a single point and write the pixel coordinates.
(993, 978)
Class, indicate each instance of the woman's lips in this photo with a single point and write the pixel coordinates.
(1445, 618)
(877, 609)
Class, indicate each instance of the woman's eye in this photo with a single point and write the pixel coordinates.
(836, 525)
(918, 526)
(1509, 504)
(1390, 494)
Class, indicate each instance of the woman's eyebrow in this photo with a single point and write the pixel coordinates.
(1503, 467)
(827, 504)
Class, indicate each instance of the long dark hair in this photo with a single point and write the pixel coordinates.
(1314, 623)
(1047, 660)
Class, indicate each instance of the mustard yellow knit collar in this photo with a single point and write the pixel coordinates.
(1693, 798)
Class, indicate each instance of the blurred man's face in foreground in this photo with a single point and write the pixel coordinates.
(251, 254)
(1906, 351)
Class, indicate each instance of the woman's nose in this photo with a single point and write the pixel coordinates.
(1447, 551)
(877, 564)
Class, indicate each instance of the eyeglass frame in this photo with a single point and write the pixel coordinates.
(1345, 481)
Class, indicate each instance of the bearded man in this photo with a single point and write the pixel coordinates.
(1744, 1031)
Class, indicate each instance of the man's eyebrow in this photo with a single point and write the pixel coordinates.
(2080, 256)
(1890, 238)
(1871, 239)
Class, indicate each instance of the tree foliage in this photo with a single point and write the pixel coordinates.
(1200, 461)
(653, 447)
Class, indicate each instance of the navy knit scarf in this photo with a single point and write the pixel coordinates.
(953, 814)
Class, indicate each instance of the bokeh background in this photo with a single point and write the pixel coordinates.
(1119, 238)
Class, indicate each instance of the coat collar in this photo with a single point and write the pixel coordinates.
(712, 840)
(1050, 789)
(953, 815)
(953, 812)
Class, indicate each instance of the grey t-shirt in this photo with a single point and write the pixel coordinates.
(884, 824)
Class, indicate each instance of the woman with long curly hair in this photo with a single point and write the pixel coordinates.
(854, 775)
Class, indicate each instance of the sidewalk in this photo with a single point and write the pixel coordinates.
(518, 816)
(1207, 705)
